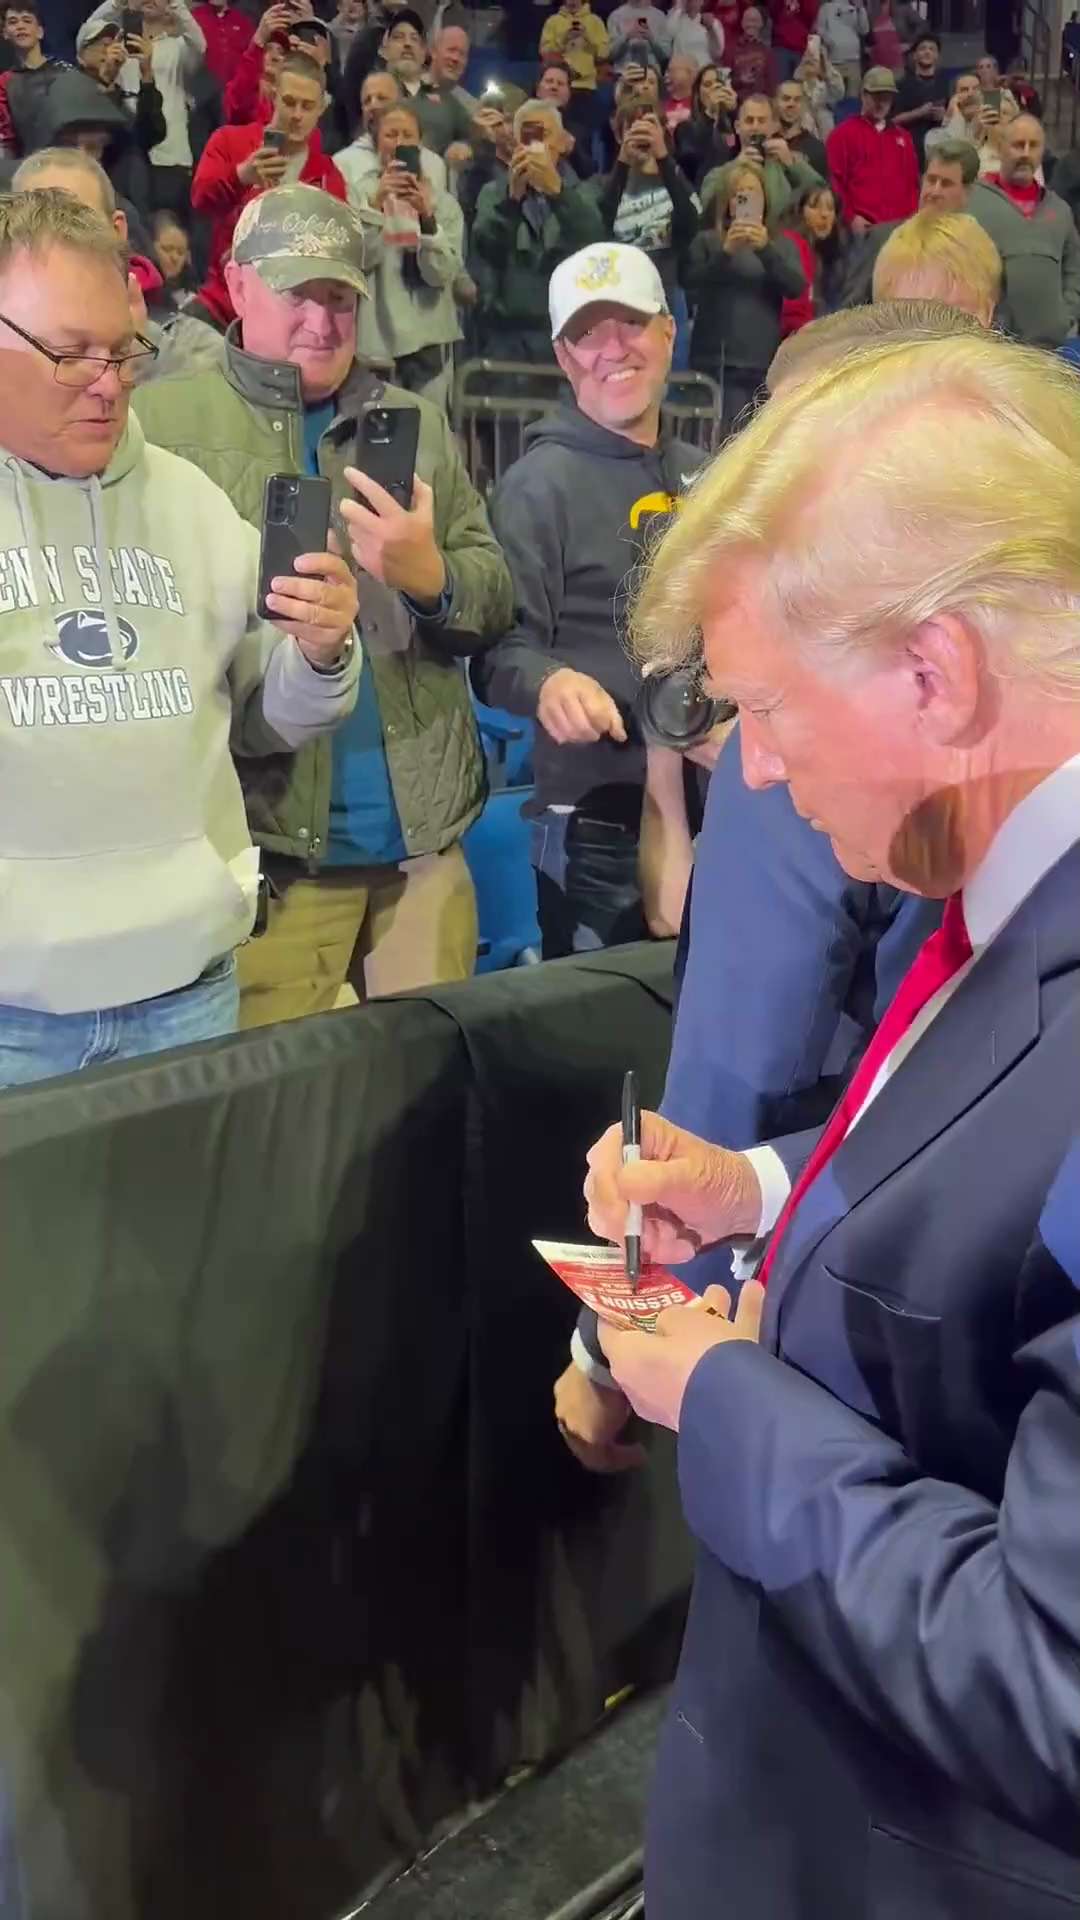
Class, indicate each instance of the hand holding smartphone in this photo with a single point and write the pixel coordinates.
(295, 521)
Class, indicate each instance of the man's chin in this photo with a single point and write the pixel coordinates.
(856, 865)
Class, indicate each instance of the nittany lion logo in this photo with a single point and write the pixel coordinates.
(84, 639)
(599, 272)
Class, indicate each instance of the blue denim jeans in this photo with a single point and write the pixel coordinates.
(39, 1046)
(587, 891)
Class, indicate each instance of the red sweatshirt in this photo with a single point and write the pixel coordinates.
(798, 309)
(793, 23)
(217, 190)
(242, 101)
(874, 171)
(227, 32)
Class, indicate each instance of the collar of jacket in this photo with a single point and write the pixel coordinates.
(276, 383)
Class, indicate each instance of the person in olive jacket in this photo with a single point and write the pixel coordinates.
(361, 841)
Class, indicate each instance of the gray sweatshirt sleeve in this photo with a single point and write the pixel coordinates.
(278, 699)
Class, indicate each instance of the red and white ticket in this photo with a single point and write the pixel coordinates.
(598, 1276)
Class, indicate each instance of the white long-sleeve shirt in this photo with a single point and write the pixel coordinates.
(177, 57)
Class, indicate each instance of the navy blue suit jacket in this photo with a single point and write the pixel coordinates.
(877, 1711)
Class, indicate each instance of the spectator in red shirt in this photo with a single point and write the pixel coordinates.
(227, 32)
(238, 163)
(249, 94)
(874, 170)
(753, 69)
(793, 22)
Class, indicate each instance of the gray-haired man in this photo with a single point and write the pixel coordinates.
(526, 224)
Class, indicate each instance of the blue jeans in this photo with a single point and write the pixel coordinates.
(39, 1046)
(587, 891)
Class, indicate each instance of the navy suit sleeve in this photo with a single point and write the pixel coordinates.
(951, 1624)
(776, 934)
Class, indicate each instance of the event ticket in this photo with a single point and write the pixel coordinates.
(598, 1276)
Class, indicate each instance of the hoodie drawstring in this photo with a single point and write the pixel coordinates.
(108, 591)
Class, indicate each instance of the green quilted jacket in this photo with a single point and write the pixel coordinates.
(241, 423)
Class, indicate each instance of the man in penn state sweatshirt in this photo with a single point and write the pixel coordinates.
(131, 654)
(596, 479)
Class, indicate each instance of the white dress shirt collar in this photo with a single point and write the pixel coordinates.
(1031, 841)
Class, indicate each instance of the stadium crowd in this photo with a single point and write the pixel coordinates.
(315, 217)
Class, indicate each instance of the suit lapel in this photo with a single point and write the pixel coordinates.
(991, 1019)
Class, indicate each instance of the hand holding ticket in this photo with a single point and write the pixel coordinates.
(598, 1276)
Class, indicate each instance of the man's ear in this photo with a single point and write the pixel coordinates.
(945, 655)
(120, 223)
(234, 280)
(561, 356)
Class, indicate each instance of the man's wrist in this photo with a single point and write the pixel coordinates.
(427, 587)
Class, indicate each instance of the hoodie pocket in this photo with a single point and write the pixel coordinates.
(86, 933)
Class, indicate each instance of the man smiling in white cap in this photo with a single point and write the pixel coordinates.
(571, 515)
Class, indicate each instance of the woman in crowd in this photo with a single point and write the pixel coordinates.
(646, 201)
(410, 316)
(886, 43)
(820, 242)
(740, 277)
(707, 139)
(172, 256)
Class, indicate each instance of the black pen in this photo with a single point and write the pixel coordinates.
(631, 1151)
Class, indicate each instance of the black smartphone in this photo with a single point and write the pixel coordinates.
(132, 23)
(386, 448)
(295, 520)
(637, 52)
(408, 157)
(992, 99)
(275, 139)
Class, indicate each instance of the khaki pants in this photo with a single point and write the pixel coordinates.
(852, 72)
(377, 929)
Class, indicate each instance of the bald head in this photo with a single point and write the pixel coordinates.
(1023, 144)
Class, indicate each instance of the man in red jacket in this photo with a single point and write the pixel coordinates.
(226, 31)
(240, 162)
(875, 174)
(793, 22)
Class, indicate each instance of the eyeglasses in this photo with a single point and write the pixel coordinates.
(85, 369)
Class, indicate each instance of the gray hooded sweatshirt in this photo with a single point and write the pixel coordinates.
(130, 654)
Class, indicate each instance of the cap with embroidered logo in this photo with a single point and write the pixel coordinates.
(604, 273)
(293, 234)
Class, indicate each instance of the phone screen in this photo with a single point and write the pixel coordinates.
(275, 139)
(992, 99)
(409, 158)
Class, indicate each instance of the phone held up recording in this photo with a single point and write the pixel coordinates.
(295, 520)
(386, 447)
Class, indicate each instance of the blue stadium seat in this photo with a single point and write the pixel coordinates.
(497, 850)
(508, 746)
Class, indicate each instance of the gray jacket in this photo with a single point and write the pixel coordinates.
(1040, 298)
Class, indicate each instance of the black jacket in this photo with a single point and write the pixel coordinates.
(610, 190)
(701, 145)
(571, 515)
(739, 297)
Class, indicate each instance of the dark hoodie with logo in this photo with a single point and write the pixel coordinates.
(572, 516)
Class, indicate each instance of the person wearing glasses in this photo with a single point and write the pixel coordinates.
(132, 651)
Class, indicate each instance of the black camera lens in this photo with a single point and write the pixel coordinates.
(673, 709)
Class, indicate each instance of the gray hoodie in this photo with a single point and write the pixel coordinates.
(130, 653)
(1040, 254)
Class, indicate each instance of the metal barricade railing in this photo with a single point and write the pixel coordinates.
(496, 401)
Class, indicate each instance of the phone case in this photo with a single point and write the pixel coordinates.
(296, 520)
(389, 461)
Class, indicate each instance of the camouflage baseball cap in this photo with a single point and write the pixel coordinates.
(293, 234)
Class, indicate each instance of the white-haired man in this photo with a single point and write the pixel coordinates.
(878, 1706)
(524, 226)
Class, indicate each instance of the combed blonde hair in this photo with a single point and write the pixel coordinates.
(912, 478)
(940, 256)
(38, 218)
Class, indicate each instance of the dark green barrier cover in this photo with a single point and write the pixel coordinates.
(294, 1564)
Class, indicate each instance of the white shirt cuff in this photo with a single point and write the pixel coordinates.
(774, 1183)
(599, 1375)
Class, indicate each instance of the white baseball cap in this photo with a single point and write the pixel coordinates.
(604, 272)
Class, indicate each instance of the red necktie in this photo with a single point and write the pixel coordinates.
(936, 961)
